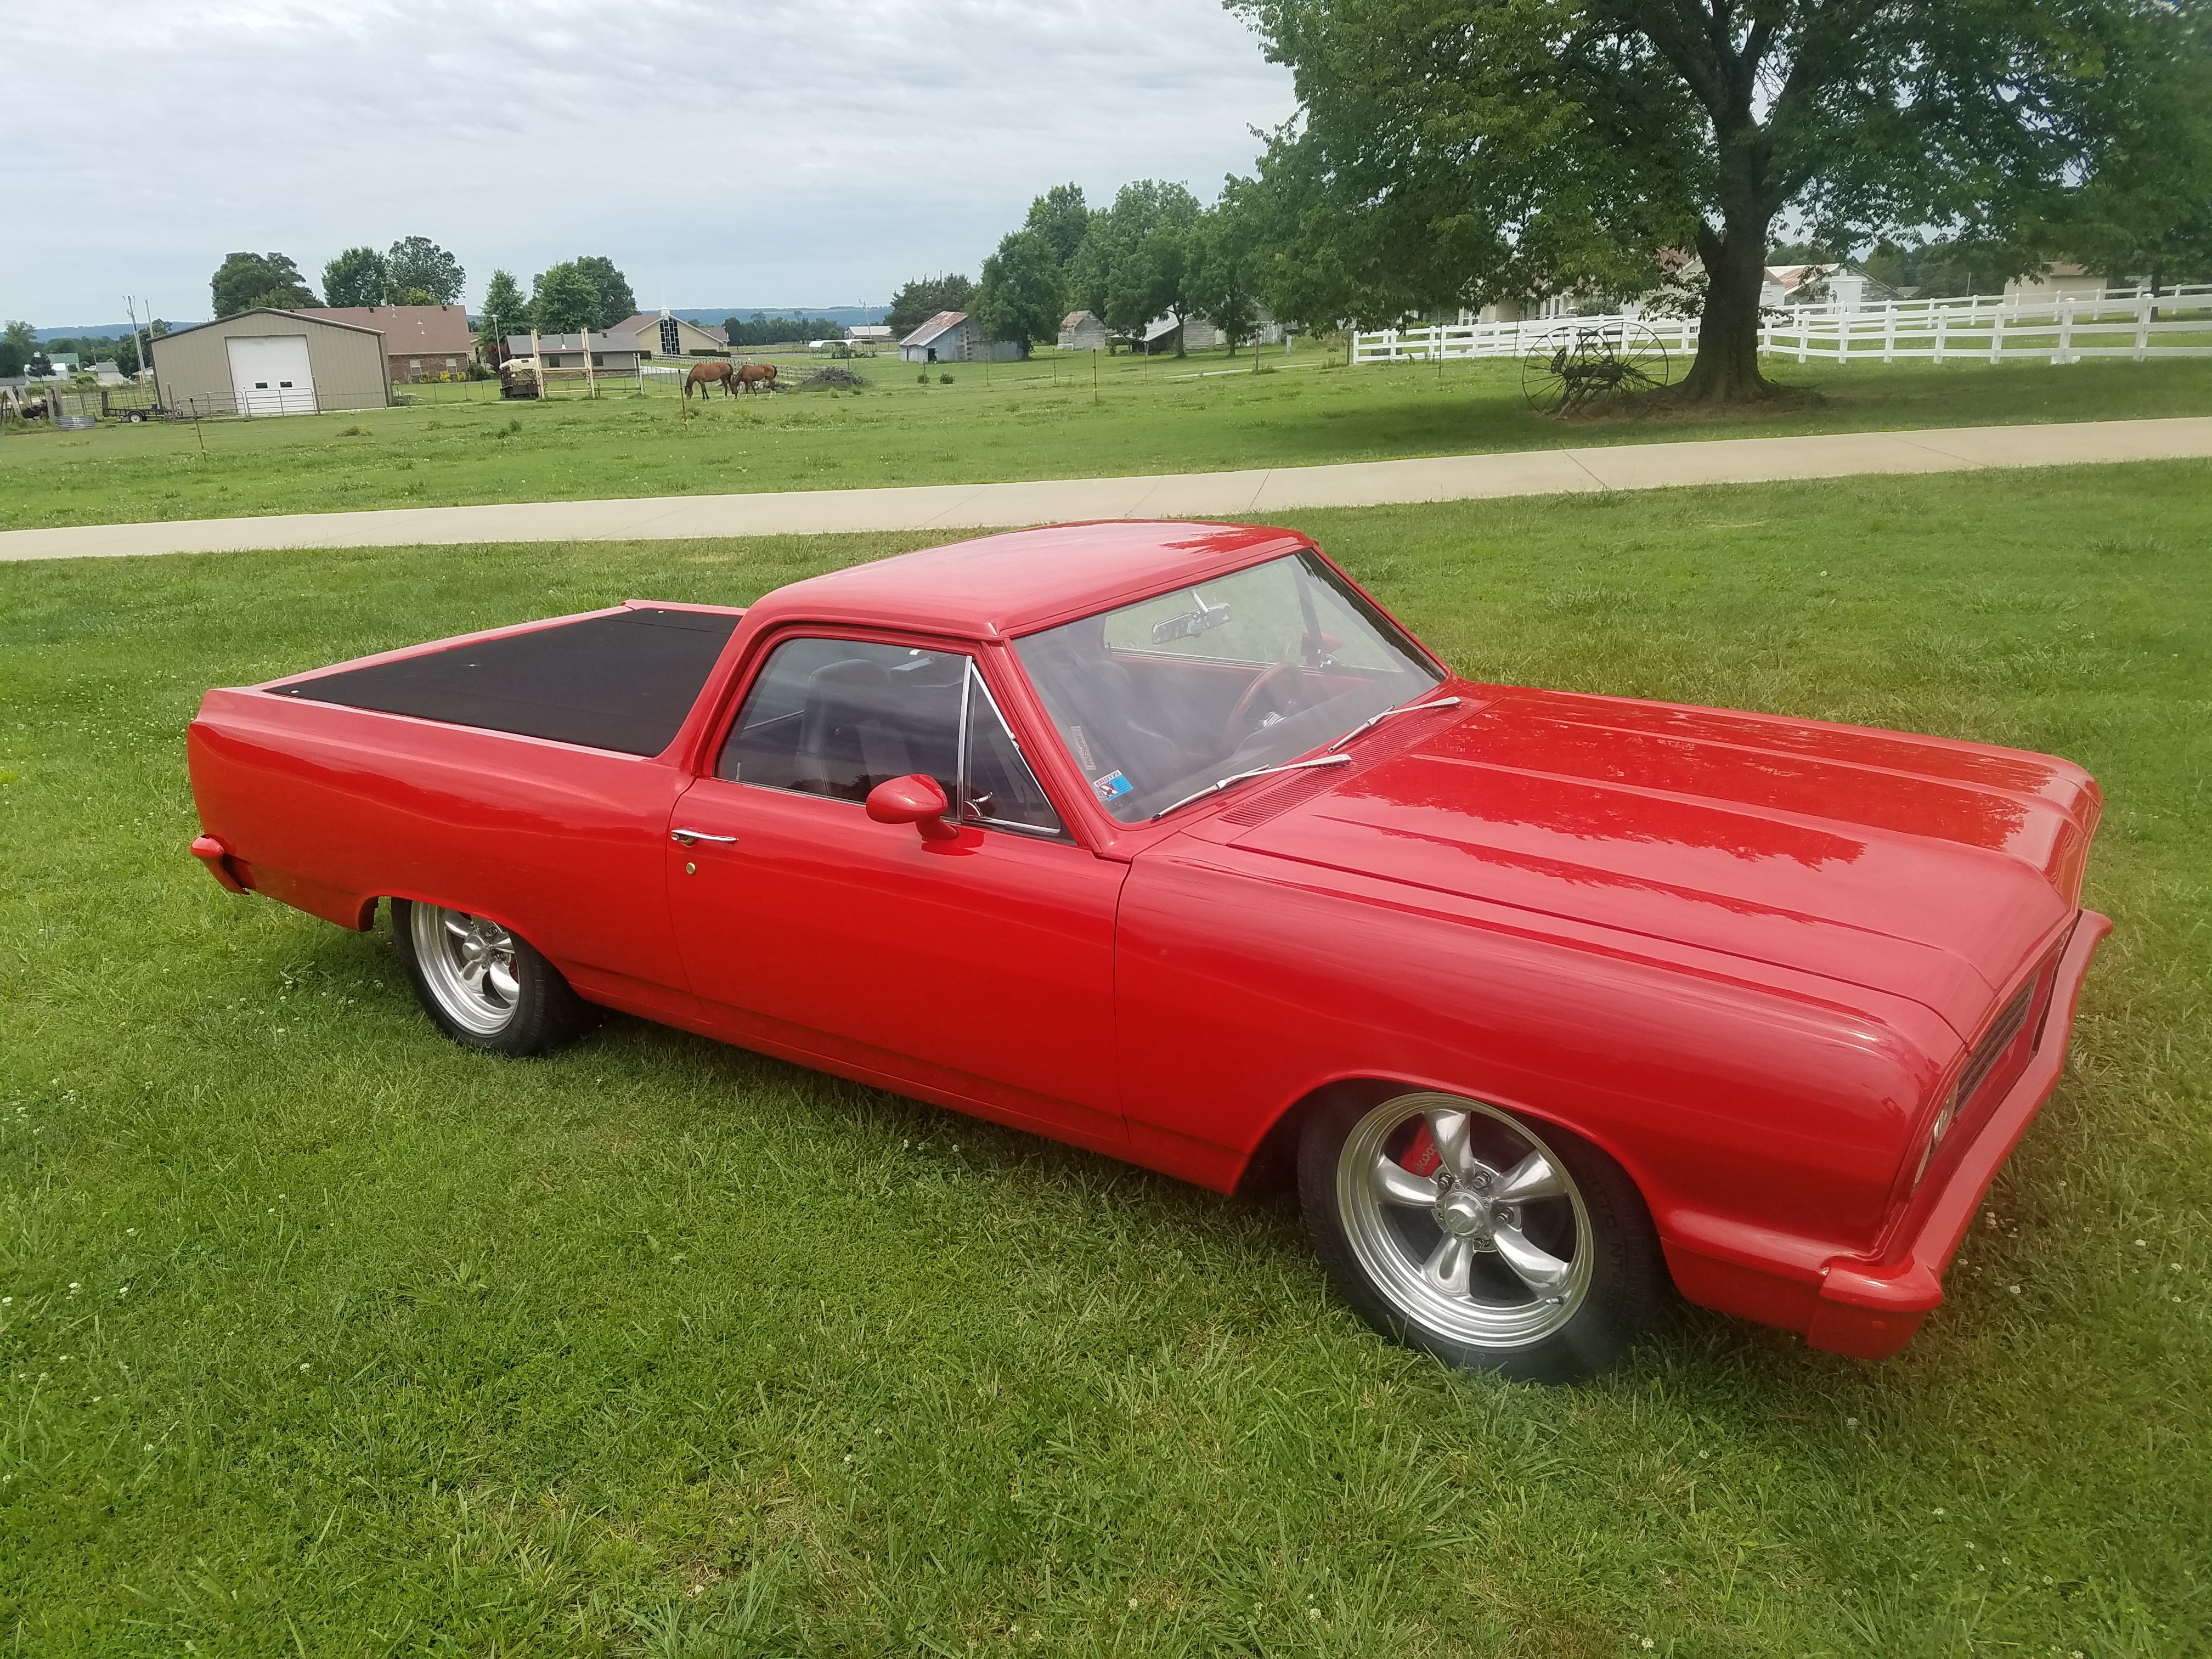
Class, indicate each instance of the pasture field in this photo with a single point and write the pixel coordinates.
(994, 422)
(321, 1335)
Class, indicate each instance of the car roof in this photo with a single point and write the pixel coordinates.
(999, 586)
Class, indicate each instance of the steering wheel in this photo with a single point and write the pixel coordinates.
(1268, 691)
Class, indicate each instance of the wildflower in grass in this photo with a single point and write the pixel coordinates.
(2013, 1289)
(75, 1287)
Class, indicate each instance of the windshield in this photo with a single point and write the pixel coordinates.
(1160, 698)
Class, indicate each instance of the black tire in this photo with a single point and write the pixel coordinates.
(1590, 1276)
(484, 987)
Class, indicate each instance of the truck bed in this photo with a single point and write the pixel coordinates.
(623, 681)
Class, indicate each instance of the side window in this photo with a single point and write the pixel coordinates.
(838, 717)
(1001, 790)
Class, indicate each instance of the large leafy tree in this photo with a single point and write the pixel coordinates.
(1020, 297)
(1451, 152)
(505, 311)
(244, 281)
(564, 299)
(357, 276)
(616, 299)
(919, 301)
(1134, 261)
(1061, 217)
(418, 272)
(1224, 265)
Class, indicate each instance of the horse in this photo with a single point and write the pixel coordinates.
(757, 377)
(704, 376)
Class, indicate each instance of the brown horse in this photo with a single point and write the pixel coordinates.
(757, 377)
(705, 375)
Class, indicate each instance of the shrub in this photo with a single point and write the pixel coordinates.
(922, 378)
(944, 379)
(840, 379)
(353, 432)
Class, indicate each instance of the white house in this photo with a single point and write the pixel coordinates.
(2058, 281)
(952, 336)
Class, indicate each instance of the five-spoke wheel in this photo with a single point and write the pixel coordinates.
(1468, 1231)
(485, 986)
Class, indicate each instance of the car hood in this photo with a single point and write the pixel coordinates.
(1920, 866)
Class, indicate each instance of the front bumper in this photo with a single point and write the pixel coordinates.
(1871, 1309)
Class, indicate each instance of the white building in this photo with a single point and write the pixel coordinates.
(952, 336)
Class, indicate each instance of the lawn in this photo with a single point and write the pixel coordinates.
(323, 1336)
(995, 422)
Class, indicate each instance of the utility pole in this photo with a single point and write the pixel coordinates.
(145, 354)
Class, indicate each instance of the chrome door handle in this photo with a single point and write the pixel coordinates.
(687, 836)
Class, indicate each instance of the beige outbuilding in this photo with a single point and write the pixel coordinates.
(266, 362)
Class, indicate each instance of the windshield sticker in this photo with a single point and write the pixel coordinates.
(1081, 746)
(1112, 787)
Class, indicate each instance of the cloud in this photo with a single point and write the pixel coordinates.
(767, 153)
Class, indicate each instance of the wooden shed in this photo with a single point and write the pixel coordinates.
(267, 361)
(1081, 331)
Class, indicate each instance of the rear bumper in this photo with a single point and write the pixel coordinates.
(1871, 1309)
(213, 854)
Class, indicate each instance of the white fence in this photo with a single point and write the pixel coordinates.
(2133, 324)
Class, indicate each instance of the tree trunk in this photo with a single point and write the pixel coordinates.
(1727, 366)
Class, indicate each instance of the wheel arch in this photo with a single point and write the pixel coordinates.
(1271, 1165)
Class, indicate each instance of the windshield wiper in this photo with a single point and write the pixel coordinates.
(1374, 721)
(1219, 784)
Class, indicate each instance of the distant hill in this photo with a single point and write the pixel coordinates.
(846, 314)
(95, 331)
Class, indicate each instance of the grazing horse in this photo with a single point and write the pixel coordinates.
(757, 377)
(704, 376)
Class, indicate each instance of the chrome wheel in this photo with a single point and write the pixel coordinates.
(1465, 1221)
(468, 965)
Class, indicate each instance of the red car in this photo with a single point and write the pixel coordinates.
(1167, 841)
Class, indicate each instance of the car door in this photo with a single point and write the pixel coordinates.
(977, 970)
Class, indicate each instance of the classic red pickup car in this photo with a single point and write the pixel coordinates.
(1166, 840)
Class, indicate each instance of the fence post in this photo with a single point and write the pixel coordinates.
(2063, 351)
(1997, 335)
(1889, 332)
(2142, 326)
(1941, 317)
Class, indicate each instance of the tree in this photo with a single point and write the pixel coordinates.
(1061, 218)
(1133, 261)
(923, 298)
(244, 281)
(616, 301)
(505, 311)
(564, 299)
(1451, 154)
(18, 340)
(1020, 296)
(358, 276)
(425, 273)
(1222, 254)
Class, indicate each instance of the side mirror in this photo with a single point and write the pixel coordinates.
(913, 800)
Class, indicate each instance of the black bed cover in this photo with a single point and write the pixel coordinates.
(623, 682)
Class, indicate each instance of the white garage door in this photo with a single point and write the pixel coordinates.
(270, 375)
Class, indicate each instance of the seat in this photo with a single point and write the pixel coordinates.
(848, 731)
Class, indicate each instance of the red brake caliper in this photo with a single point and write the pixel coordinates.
(1422, 1156)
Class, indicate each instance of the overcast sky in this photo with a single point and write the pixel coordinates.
(759, 152)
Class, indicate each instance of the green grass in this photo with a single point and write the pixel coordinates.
(1008, 421)
(326, 1337)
